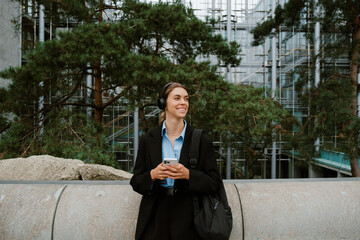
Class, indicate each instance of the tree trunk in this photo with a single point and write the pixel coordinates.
(143, 119)
(354, 66)
(99, 109)
(250, 162)
(354, 164)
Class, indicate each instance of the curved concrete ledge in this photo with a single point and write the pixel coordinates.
(265, 209)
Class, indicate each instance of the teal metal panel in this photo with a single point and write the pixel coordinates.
(335, 159)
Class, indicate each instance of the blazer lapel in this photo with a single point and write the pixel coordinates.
(155, 145)
(184, 155)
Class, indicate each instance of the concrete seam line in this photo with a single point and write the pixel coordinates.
(54, 215)
(242, 214)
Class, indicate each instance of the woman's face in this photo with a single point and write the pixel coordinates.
(177, 103)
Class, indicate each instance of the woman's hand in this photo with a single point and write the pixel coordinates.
(160, 172)
(178, 171)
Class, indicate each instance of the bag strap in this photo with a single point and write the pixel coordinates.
(194, 147)
(194, 155)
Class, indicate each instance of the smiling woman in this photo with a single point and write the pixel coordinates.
(166, 209)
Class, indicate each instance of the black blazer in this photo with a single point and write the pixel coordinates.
(204, 179)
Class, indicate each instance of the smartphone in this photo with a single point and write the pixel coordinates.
(170, 161)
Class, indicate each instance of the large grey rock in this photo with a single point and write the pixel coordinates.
(45, 167)
(101, 172)
(42, 167)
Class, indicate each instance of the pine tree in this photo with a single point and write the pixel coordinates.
(130, 49)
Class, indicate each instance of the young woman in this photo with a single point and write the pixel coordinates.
(166, 209)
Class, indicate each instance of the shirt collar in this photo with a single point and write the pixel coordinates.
(164, 130)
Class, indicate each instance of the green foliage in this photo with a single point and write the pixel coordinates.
(74, 136)
(67, 134)
(85, 10)
(288, 15)
(328, 114)
(177, 26)
(262, 31)
(240, 114)
(138, 50)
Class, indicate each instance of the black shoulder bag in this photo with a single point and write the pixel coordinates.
(212, 213)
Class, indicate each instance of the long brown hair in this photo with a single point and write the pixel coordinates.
(165, 96)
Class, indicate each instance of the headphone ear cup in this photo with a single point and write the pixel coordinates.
(161, 103)
(161, 99)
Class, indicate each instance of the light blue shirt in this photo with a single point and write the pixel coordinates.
(168, 151)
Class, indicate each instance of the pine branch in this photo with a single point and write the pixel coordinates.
(114, 98)
(31, 142)
(74, 132)
(77, 104)
(7, 126)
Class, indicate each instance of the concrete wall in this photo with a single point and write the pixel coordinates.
(10, 40)
(263, 209)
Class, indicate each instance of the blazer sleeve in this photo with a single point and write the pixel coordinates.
(141, 180)
(205, 178)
